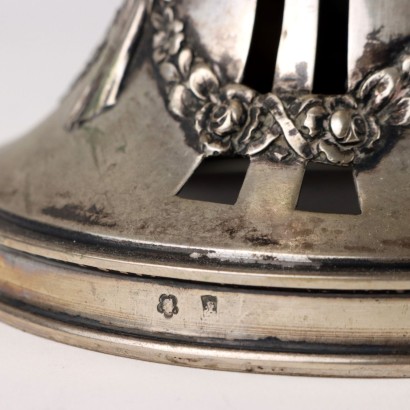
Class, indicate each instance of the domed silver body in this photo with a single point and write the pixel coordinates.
(99, 248)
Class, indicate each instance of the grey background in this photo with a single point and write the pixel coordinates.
(43, 45)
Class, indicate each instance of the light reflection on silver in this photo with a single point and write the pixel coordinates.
(295, 62)
(225, 29)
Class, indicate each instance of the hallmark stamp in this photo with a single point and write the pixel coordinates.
(168, 306)
(209, 305)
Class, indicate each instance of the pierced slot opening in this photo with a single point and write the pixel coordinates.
(217, 179)
(329, 189)
(260, 66)
(332, 48)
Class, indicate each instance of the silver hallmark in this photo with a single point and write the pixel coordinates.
(168, 306)
(120, 233)
(209, 305)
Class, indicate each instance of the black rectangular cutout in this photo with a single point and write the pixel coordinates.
(332, 47)
(329, 189)
(260, 66)
(217, 179)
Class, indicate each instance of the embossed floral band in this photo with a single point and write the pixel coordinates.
(234, 119)
(230, 118)
(100, 246)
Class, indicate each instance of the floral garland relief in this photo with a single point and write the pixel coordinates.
(233, 119)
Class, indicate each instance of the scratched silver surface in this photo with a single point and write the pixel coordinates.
(117, 176)
(97, 250)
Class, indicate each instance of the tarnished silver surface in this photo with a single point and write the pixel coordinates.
(376, 28)
(96, 241)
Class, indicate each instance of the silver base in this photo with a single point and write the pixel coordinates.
(98, 250)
